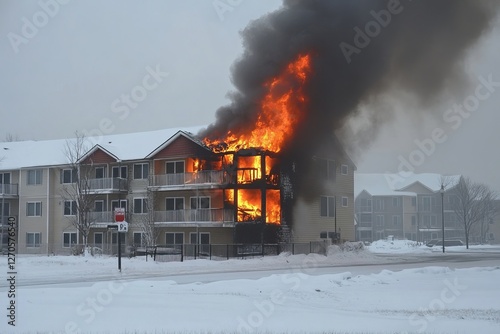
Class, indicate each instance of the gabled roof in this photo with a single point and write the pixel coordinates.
(124, 147)
(170, 140)
(95, 149)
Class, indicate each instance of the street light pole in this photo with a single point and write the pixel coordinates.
(442, 212)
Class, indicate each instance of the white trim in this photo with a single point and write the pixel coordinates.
(34, 202)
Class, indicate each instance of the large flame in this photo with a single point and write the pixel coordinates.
(282, 109)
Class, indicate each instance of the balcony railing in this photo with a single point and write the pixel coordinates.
(365, 208)
(102, 217)
(9, 189)
(4, 220)
(188, 179)
(195, 215)
(108, 184)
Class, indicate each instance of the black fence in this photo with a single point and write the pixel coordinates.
(165, 253)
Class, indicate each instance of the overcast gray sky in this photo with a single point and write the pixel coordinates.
(71, 67)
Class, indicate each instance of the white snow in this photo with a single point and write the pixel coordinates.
(305, 297)
(127, 146)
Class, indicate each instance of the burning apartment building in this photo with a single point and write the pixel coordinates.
(271, 166)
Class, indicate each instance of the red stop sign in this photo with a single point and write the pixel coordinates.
(119, 214)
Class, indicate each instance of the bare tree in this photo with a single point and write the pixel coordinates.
(9, 137)
(79, 195)
(146, 221)
(472, 204)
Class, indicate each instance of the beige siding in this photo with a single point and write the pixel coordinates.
(308, 223)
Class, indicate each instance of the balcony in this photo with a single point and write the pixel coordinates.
(195, 216)
(365, 208)
(4, 221)
(108, 185)
(9, 190)
(102, 217)
(188, 180)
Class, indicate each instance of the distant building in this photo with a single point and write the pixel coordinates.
(407, 207)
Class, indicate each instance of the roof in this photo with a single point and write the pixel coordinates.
(128, 146)
(388, 184)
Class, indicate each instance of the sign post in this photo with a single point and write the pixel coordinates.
(121, 226)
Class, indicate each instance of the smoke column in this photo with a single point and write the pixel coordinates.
(360, 50)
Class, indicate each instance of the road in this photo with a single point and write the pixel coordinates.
(210, 274)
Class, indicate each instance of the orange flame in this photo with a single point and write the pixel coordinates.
(282, 109)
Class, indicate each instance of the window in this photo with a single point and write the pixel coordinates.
(345, 202)
(4, 209)
(396, 202)
(344, 169)
(327, 206)
(100, 172)
(34, 209)
(140, 205)
(119, 171)
(379, 221)
(378, 204)
(34, 177)
(139, 239)
(429, 221)
(199, 208)
(396, 220)
(365, 218)
(99, 206)
(174, 167)
(122, 203)
(4, 178)
(69, 175)
(98, 239)
(70, 208)
(413, 220)
(33, 239)
(414, 201)
(327, 169)
(175, 238)
(141, 171)
(366, 205)
(434, 221)
(204, 238)
(69, 239)
(428, 203)
(174, 203)
(200, 202)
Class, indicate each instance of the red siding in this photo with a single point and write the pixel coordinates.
(181, 147)
(99, 157)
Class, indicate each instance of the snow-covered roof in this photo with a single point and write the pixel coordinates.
(129, 146)
(388, 184)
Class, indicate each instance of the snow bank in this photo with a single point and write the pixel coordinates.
(397, 246)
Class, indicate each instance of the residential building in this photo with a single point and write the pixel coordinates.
(167, 181)
(408, 207)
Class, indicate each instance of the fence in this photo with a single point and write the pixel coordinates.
(181, 252)
(166, 253)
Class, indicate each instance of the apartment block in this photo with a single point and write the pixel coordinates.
(168, 181)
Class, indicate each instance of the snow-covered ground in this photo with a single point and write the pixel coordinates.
(88, 295)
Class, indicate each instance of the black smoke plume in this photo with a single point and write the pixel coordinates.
(360, 49)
